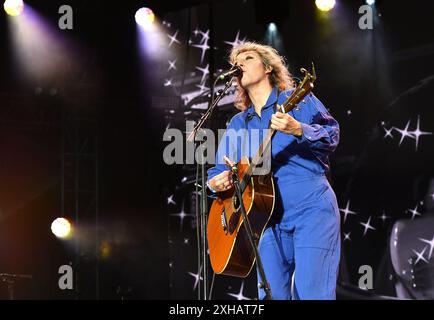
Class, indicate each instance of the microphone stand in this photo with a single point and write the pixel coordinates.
(204, 205)
(263, 284)
(10, 280)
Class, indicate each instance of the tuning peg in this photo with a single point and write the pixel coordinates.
(313, 71)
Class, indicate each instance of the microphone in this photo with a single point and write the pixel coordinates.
(234, 72)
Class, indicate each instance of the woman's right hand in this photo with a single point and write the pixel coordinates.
(222, 181)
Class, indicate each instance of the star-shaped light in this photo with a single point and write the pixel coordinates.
(388, 132)
(431, 245)
(204, 47)
(167, 82)
(173, 38)
(404, 132)
(196, 279)
(205, 72)
(202, 87)
(172, 65)
(420, 255)
(170, 200)
(239, 295)
(414, 212)
(237, 40)
(417, 133)
(367, 226)
(347, 211)
(205, 35)
(181, 216)
(384, 217)
(347, 236)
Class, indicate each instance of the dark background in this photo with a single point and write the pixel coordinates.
(86, 143)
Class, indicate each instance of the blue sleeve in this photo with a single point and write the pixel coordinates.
(320, 129)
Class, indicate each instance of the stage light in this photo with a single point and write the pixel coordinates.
(61, 228)
(273, 37)
(13, 7)
(145, 17)
(272, 27)
(325, 5)
(370, 2)
(105, 249)
(152, 37)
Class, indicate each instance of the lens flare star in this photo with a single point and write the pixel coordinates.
(367, 226)
(237, 40)
(414, 212)
(420, 256)
(239, 295)
(173, 38)
(431, 245)
(417, 133)
(347, 211)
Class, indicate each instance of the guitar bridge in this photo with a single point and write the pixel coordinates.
(224, 222)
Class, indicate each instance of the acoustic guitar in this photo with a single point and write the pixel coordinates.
(229, 248)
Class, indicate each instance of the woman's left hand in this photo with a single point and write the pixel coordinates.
(283, 122)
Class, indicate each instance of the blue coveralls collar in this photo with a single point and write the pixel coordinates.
(271, 101)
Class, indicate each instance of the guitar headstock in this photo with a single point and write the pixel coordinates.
(303, 89)
(309, 78)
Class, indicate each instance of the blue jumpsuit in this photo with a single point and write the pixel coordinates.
(303, 236)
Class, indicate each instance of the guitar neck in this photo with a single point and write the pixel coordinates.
(257, 158)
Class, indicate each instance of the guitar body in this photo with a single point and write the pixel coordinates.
(229, 247)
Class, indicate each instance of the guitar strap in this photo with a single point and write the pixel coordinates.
(248, 138)
(277, 101)
(275, 109)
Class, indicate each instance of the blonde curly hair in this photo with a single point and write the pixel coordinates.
(279, 77)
